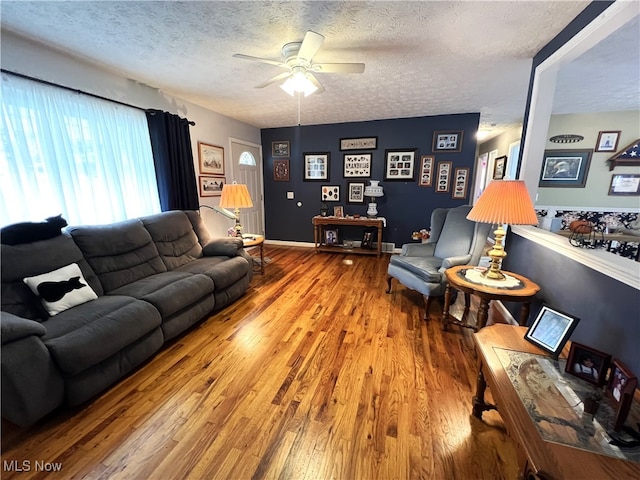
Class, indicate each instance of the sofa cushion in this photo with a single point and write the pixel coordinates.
(119, 253)
(198, 226)
(229, 246)
(224, 271)
(30, 259)
(87, 334)
(173, 234)
(425, 268)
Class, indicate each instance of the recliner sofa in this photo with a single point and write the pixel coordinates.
(151, 279)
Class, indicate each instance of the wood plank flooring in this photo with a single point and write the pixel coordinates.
(315, 373)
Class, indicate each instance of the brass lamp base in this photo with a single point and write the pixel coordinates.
(497, 253)
(237, 226)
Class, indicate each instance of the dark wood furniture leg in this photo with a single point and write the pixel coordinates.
(389, 277)
(524, 314)
(445, 308)
(479, 405)
(483, 313)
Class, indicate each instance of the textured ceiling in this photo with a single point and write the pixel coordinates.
(422, 58)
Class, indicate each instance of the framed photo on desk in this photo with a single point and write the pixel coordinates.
(551, 329)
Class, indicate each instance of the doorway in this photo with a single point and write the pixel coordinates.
(246, 167)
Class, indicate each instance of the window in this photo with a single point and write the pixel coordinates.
(247, 158)
(66, 153)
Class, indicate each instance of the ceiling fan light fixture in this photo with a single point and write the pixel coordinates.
(299, 82)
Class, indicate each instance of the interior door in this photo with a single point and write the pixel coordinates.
(246, 164)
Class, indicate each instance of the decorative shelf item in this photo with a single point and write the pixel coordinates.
(628, 157)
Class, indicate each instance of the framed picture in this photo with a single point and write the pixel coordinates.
(588, 363)
(498, 167)
(210, 159)
(443, 176)
(280, 148)
(450, 141)
(330, 193)
(607, 141)
(565, 168)
(551, 329)
(625, 184)
(460, 182)
(357, 165)
(355, 192)
(365, 143)
(316, 166)
(210, 186)
(338, 212)
(426, 170)
(620, 388)
(399, 164)
(331, 237)
(367, 238)
(281, 170)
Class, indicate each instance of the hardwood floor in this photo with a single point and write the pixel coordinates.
(315, 373)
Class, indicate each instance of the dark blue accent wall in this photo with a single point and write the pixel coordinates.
(609, 311)
(405, 205)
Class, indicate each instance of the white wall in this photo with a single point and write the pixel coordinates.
(38, 61)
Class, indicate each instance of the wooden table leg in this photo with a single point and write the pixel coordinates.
(524, 314)
(379, 239)
(262, 258)
(479, 405)
(445, 308)
(483, 313)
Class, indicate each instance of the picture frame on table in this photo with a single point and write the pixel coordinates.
(355, 192)
(608, 141)
(565, 168)
(425, 178)
(338, 211)
(400, 164)
(367, 238)
(447, 141)
(363, 143)
(210, 186)
(498, 167)
(625, 184)
(620, 388)
(280, 148)
(281, 170)
(330, 193)
(316, 166)
(587, 363)
(331, 236)
(357, 165)
(443, 176)
(551, 330)
(460, 183)
(210, 159)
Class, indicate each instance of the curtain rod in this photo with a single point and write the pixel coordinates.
(45, 82)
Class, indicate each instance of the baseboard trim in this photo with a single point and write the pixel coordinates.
(288, 243)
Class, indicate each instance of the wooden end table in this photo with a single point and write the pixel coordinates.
(457, 279)
(255, 240)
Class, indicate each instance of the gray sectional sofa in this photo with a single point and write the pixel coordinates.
(140, 283)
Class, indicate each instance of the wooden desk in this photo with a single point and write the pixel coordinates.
(321, 223)
(255, 240)
(456, 279)
(540, 459)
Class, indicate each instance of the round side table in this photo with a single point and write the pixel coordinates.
(255, 240)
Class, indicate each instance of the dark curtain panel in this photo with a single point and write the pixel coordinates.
(171, 145)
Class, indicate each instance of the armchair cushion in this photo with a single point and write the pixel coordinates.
(425, 268)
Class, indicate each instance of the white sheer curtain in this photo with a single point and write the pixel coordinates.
(67, 153)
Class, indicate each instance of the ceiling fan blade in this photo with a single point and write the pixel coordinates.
(338, 67)
(275, 79)
(263, 60)
(310, 45)
(316, 83)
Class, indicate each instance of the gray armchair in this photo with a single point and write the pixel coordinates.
(454, 241)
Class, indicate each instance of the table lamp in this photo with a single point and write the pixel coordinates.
(503, 202)
(236, 196)
(373, 190)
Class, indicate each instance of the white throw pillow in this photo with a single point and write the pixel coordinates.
(61, 289)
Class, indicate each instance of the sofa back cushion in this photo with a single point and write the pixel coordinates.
(36, 258)
(174, 237)
(198, 226)
(119, 253)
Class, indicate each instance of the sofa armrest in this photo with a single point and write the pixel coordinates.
(455, 261)
(418, 249)
(227, 246)
(14, 328)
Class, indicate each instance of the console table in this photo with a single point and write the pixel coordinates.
(320, 224)
(539, 458)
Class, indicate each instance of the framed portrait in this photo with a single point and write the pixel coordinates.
(608, 141)
(357, 165)
(338, 211)
(620, 388)
(565, 168)
(210, 186)
(498, 167)
(460, 183)
(280, 148)
(625, 184)
(443, 177)
(330, 193)
(450, 141)
(210, 159)
(425, 178)
(316, 166)
(355, 193)
(331, 236)
(367, 238)
(551, 330)
(281, 170)
(588, 363)
(364, 143)
(399, 164)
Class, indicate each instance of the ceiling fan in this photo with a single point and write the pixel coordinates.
(298, 60)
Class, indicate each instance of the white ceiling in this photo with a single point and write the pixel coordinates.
(422, 58)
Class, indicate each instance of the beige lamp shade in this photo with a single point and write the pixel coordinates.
(235, 195)
(504, 201)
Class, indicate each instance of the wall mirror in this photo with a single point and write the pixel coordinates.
(573, 80)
